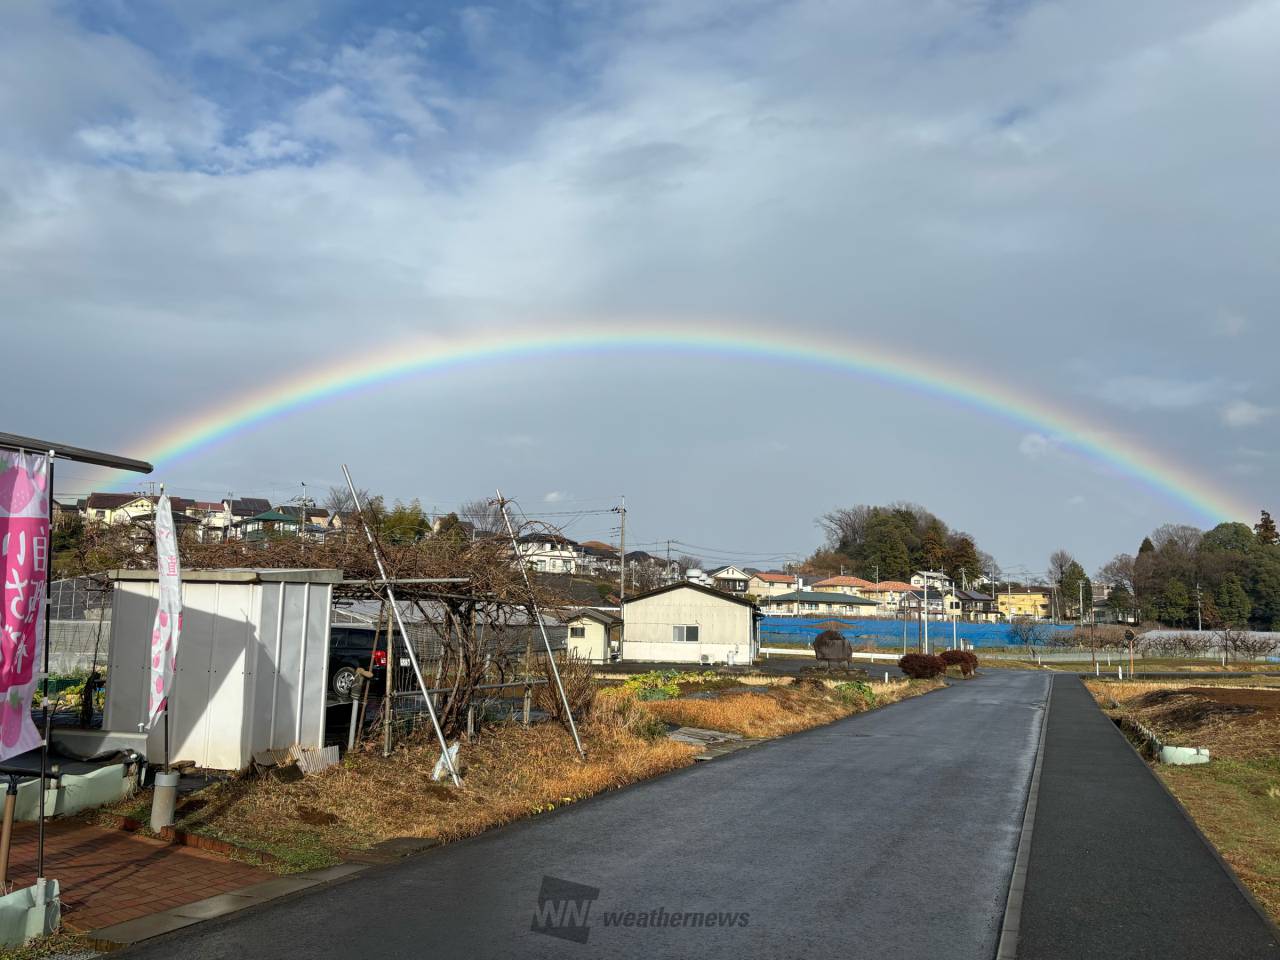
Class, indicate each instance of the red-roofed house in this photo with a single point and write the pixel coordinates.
(854, 586)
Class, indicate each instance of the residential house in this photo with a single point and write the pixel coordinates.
(549, 553)
(770, 583)
(812, 603)
(1032, 602)
(268, 525)
(685, 622)
(224, 524)
(599, 559)
(913, 601)
(730, 580)
(594, 635)
(971, 605)
(317, 519)
(888, 595)
(934, 578)
(853, 586)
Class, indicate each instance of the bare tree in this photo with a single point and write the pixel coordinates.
(339, 500)
(484, 514)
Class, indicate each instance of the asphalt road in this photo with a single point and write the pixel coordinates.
(888, 835)
(1116, 869)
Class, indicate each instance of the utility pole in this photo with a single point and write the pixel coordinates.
(302, 520)
(924, 619)
(621, 511)
(1199, 622)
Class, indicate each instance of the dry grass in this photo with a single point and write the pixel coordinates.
(509, 773)
(778, 711)
(1235, 798)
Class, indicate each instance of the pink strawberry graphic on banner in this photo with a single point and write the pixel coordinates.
(12, 710)
(17, 489)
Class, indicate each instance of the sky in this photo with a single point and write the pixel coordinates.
(1075, 202)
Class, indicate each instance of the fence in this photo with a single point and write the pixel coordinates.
(889, 633)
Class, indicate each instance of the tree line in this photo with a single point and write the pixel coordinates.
(891, 542)
(1227, 577)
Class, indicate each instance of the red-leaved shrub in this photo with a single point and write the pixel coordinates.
(921, 666)
(964, 659)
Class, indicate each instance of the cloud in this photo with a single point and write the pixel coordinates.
(555, 496)
(1136, 392)
(1243, 413)
(1230, 324)
(1033, 446)
(1078, 500)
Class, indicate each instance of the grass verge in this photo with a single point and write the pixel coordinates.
(1235, 798)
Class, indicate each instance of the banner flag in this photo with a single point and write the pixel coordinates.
(24, 562)
(168, 623)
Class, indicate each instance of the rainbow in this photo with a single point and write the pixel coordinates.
(417, 357)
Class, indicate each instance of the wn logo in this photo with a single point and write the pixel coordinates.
(564, 909)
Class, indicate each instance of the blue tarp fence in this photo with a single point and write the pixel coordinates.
(888, 633)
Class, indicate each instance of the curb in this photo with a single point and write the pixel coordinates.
(121, 935)
(1008, 946)
(182, 838)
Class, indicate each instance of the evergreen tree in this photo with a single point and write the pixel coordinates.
(1233, 603)
(1173, 605)
(1073, 584)
(1266, 530)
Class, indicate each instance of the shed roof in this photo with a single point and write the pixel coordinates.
(690, 585)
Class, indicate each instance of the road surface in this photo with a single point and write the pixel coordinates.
(887, 835)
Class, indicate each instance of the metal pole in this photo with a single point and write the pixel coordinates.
(537, 615)
(388, 696)
(44, 704)
(6, 832)
(924, 633)
(404, 634)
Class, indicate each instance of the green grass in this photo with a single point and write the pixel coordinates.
(1237, 805)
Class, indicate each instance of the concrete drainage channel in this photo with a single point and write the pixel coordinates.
(714, 743)
(1151, 745)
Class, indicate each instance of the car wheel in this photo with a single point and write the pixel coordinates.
(343, 679)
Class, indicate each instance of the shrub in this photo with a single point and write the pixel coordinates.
(617, 708)
(964, 659)
(578, 677)
(856, 692)
(665, 684)
(921, 666)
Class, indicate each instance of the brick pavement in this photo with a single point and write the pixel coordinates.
(109, 876)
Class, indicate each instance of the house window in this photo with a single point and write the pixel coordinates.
(685, 633)
(577, 633)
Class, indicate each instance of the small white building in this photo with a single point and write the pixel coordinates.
(688, 623)
(594, 635)
(253, 663)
